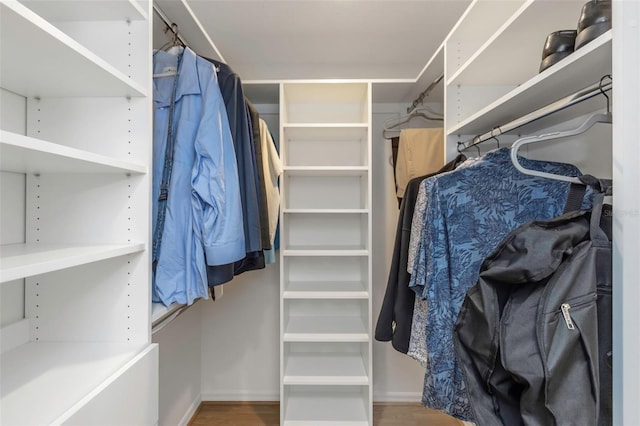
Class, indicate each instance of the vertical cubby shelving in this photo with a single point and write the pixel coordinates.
(326, 254)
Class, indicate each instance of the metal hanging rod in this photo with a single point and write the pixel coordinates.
(170, 25)
(589, 92)
(421, 96)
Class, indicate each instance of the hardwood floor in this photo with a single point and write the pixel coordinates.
(268, 413)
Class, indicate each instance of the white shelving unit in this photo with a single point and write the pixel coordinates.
(326, 254)
(498, 80)
(83, 352)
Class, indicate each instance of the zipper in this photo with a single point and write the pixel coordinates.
(567, 317)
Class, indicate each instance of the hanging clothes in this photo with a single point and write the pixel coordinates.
(534, 334)
(420, 152)
(203, 214)
(272, 170)
(254, 121)
(469, 212)
(241, 132)
(395, 318)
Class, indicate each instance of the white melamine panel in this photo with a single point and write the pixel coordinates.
(94, 10)
(43, 381)
(25, 260)
(100, 37)
(314, 190)
(479, 22)
(325, 231)
(22, 154)
(325, 320)
(326, 406)
(326, 103)
(580, 69)
(87, 209)
(81, 123)
(512, 55)
(102, 301)
(325, 290)
(12, 207)
(324, 269)
(304, 368)
(13, 112)
(14, 335)
(325, 329)
(129, 396)
(52, 63)
(325, 146)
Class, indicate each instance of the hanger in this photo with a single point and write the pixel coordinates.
(586, 125)
(405, 119)
(171, 44)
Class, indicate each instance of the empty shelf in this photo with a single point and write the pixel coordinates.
(325, 369)
(325, 329)
(94, 10)
(326, 408)
(25, 260)
(325, 290)
(42, 381)
(77, 70)
(23, 154)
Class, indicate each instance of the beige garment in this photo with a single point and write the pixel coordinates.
(420, 152)
(272, 167)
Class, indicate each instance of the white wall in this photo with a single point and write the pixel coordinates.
(180, 365)
(240, 332)
(13, 117)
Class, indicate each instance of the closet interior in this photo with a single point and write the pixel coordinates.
(82, 342)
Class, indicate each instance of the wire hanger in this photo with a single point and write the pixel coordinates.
(390, 126)
(174, 42)
(586, 125)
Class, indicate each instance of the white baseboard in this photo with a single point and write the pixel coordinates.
(397, 397)
(240, 396)
(190, 411)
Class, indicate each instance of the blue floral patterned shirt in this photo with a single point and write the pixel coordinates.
(469, 212)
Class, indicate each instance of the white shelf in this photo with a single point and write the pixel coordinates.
(94, 10)
(325, 170)
(477, 24)
(23, 154)
(42, 381)
(325, 290)
(312, 251)
(325, 125)
(323, 211)
(325, 329)
(25, 260)
(587, 64)
(512, 55)
(51, 62)
(325, 369)
(317, 408)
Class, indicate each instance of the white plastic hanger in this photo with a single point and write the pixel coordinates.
(589, 122)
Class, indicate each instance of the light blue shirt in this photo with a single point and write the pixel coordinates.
(203, 224)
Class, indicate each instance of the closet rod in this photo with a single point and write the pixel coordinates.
(168, 23)
(587, 93)
(421, 96)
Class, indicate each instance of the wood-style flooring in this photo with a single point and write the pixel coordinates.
(268, 413)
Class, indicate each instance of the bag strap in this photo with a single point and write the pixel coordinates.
(166, 174)
(601, 187)
(575, 197)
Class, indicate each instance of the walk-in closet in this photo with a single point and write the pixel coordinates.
(319, 213)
